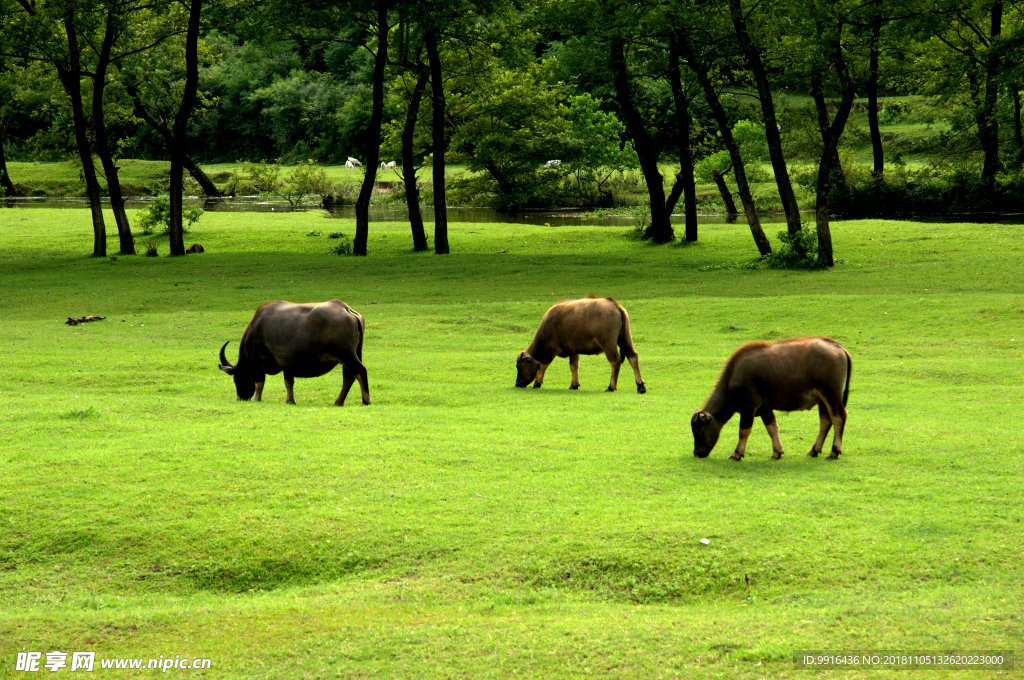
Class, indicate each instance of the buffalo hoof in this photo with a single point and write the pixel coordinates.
(536, 386)
(574, 387)
(641, 388)
(776, 455)
(833, 456)
(736, 456)
(610, 389)
(813, 453)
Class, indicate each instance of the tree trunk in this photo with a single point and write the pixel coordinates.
(878, 169)
(771, 124)
(440, 144)
(5, 180)
(660, 228)
(723, 191)
(412, 190)
(70, 79)
(684, 180)
(824, 184)
(380, 62)
(988, 124)
(102, 145)
(837, 178)
(205, 183)
(700, 70)
(1018, 137)
(178, 130)
(830, 141)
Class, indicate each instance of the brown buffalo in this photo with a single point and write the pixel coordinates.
(575, 327)
(761, 377)
(302, 341)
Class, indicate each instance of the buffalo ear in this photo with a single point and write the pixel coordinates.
(703, 416)
(230, 370)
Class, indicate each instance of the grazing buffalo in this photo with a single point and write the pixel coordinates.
(762, 377)
(574, 327)
(302, 341)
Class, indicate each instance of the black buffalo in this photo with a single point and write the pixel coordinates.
(302, 341)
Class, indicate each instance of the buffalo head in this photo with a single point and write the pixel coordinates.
(705, 432)
(245, 385)
(526, 369)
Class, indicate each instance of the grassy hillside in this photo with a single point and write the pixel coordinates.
(459, 527)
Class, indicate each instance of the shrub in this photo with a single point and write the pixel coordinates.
(343, 246)
(893, 112)
(264, 176)
(158, 215)
(717, 161)
(306, 179)
(787, 255)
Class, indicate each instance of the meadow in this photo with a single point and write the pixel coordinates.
(461, 528)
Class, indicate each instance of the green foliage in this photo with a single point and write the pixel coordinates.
(717, 161)
(343, 246)
(509, 130)
(751, 140)
(893, 112)
(594, 153)
(156, 217)
(788, 253)
(265, 177)
(306, 179)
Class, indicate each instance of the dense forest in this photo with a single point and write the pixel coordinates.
(545, 102)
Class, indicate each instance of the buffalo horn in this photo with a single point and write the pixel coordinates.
(225, 365)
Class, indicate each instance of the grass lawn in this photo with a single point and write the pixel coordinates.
(461, 528)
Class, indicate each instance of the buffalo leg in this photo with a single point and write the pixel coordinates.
(634, 362)
(746, 425)
(364, 385)
(837, 413)
(353, 369)
(289, 385)
(824, 425)
(349, 378)
(613, 359)
(258, 396)
(574, 366)
(539, 380)
(772, 426)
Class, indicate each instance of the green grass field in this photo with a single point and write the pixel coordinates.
(461, 528)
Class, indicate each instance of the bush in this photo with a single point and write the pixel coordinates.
(946, 190)
(717, 161)
(787, 255)
(893, 112)
(306, 179)
(343, 246)
(264, 177)
(158, 215)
